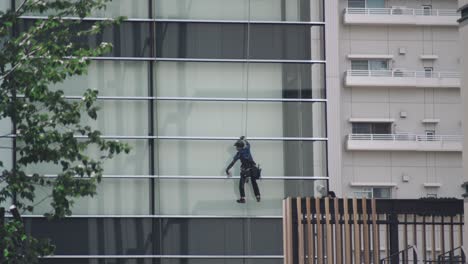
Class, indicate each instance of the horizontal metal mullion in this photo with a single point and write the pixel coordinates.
(214, 21)
(243, 60)
(184, 177)
(164, 216)
(198, 99)
(164, 257)
(198, 138)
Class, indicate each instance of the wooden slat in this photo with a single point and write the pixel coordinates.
(357, 235)
(347, 243)
(375, 233)
(338, 242)
(329, 237)
(300, 232)
(365, 228)
(319, 232)
(433, 239)
(285, 233)
(290, 227)
(310, 234)
(424, 239)
(460, 230)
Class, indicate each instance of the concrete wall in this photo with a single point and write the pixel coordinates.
(383, 167)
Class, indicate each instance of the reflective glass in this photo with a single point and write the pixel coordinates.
(134, 163)
(239, 80)
(114, 8)
(114, 197)
(263, 119)
(229, 236)
(256, 10)
(98, 236)
(217, 197)
(222, 261)
(229, 41)
(210, 158)
(120, 118)
(4, 5)
(110, 78)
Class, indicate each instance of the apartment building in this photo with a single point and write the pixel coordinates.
(185, 79)
(401, 122)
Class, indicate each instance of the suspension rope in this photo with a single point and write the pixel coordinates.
(248, 72)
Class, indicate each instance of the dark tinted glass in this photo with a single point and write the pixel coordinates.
(231, 41)
(381, 128)
(362, 128)
(221, 261)
(97, 236)
(100, 261)
(221, 237)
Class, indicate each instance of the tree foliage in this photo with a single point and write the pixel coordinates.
(47, 127)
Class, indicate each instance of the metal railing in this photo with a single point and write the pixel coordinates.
(402, 11)
(402, 74)
(408, 255)
(406, 137)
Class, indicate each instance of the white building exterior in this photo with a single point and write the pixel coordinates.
(399, 96)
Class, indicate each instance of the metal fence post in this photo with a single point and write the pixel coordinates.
(393, 219)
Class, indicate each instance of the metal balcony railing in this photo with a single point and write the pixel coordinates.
(402, 73)
(402, 11)
(406, 137)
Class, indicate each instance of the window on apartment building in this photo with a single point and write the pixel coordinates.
(372, 128)
(428, 72)
(369, 65)
(374, 192)
(366, 3)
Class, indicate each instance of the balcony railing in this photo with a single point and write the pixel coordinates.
(402, 73)
(402, 11)
(406, 137)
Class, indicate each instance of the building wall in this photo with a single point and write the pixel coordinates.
(181, 92)
(377, 168)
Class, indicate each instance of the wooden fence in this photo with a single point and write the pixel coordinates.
(372, 231)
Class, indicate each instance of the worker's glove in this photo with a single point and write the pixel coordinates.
(242, 137)
(228, 173)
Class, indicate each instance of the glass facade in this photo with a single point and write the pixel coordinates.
(184, 81)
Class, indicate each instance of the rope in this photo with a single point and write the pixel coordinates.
(248, 73)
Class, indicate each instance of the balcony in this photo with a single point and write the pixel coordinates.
(402, 78)
(401, 16)
(404, 142)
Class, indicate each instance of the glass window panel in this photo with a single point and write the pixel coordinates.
(239, 80)
(98, 236)
(383, 193)
(228, 41)
(217, 197)
(378, 65)
(110, 78)
(134, 163)
(357, 3)
(115, 8)
(101, 261)
(120, 118)
(375, 3)
(114, 197)
(382, 128)
(362, 65)
(222, 261)
(4, 6)
(221, 236)
(272, 119)
(210, 158)
(362, 128)
(260, 10)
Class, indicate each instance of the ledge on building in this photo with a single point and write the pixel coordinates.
(429, 57)
(401, 16)
(370, 56)
(402, 78)
(404, 142)
(430, 121)
(371, 120)
(372, 184)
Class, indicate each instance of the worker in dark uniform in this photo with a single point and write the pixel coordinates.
(248, 166)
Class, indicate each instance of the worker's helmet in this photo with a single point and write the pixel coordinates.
(239, 144)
